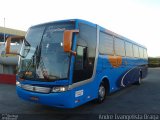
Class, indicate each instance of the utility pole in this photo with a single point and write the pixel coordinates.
(4, 37)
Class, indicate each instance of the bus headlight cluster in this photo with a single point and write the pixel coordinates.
(42, 89)
(60, 89)
(18, 84)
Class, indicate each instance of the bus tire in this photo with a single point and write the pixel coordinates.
(139, 79)
(102, 92)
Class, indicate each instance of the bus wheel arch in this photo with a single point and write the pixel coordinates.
(103, 90)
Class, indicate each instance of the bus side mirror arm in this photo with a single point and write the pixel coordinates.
(73, 53)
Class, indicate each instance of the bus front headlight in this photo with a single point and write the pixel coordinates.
(18, 84)
(60, 89)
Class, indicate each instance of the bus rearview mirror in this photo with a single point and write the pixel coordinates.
(25, 44)
(8, 44)
(67, 40)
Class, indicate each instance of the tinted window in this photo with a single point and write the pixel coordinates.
(119, 47)
(129, 49)
(106, 43)
(136, 51)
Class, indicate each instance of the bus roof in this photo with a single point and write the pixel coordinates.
(94, 25)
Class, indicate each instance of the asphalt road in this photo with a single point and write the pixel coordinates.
(131, 100)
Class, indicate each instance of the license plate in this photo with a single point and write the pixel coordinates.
(34, 98)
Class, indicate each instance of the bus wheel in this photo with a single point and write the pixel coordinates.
(101, 93)
(139, 80)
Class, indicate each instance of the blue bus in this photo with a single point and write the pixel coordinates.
(70, 62)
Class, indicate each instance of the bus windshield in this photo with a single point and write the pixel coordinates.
(46, 59)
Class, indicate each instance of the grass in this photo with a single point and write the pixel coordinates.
(153, 62)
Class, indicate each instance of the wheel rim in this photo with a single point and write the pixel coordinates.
(102, 92)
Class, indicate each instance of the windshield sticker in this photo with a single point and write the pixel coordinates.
(53, 29)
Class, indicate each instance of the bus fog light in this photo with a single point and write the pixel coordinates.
(18, 84)
(60, 89)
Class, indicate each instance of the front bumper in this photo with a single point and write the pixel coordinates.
(62, 99)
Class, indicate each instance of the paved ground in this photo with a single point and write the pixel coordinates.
(131, 100)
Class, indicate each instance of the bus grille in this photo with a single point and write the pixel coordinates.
(36, 88)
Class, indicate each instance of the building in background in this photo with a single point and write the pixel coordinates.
(8, 63)
(10, 32)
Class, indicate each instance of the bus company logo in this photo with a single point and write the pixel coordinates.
(57, 29)
(116, 61)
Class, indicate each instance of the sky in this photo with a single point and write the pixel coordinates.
(138, 20)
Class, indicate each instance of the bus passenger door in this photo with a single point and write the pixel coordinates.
(82, 66)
